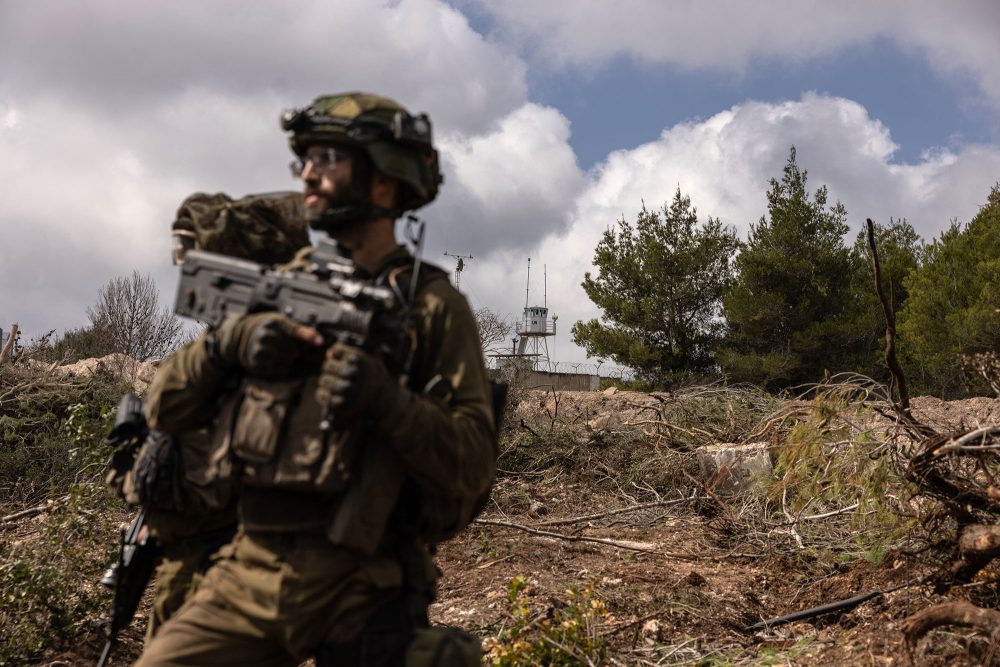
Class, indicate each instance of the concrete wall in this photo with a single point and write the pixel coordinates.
(561, 381)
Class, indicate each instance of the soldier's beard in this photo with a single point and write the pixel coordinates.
(338, 212)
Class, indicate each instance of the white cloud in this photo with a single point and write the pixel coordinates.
(510, 187)
(76, 209)
(724, 164)
(111, 113)
(9, 119)
(130, 58)
(956, 38)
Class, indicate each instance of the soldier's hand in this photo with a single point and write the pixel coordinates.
(354, 383)
(265, 344)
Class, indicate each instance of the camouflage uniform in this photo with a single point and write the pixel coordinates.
(185, 556)
(266, 228)
(195, 515)
(321, 569)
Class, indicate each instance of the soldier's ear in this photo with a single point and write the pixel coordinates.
(385, 191)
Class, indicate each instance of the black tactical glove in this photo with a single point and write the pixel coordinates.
(356, 384)
(154, 468)
(263, 343)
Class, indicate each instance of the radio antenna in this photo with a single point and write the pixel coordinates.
(528, 284)
(459, 266)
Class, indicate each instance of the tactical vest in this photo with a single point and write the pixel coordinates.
(295, 477)
(184, 482)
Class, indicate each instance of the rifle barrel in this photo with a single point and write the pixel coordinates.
(106, 653)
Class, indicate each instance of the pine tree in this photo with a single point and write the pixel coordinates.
(785, 313)
(659, 285)
(953, 300)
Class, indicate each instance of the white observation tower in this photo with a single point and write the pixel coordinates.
(535, 328)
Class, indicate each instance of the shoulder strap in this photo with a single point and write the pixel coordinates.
(399, 276)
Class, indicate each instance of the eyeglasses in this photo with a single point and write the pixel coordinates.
(323, 158)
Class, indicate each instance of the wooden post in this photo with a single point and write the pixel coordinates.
(10, 343)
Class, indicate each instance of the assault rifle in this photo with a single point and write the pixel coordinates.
(137, 555)
(129, 578)
(328, 297)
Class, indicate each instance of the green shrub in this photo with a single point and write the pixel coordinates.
(52, 456)
(832, 459)
(49, 590)
(51, 432)
(567, 635)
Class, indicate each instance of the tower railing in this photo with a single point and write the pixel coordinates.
(526, 328)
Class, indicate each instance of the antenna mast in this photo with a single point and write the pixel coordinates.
(528, 284)
(459, 266)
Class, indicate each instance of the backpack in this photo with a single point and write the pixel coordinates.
(265, 228)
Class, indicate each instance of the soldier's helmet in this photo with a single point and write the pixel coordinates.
(398, 143)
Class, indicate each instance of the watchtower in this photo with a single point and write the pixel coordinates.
(535, 327)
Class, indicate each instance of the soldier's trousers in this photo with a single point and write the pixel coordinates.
(275, 600)
(180, 571)
(176, 581)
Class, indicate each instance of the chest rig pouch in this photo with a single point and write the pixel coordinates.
(277, 432)
(277, 436)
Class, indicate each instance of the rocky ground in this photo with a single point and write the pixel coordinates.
(601, 493)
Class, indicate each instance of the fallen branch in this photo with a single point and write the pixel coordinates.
(791, 521)
(669, 427)
(623, 510)
(824, 515)
(723, 505)
(962, 614)
(980, 541)
(32, 511)
(977, 547)
(570, 538)
(962, 444)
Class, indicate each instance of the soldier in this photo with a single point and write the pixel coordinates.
(336, 524)
(189, 515)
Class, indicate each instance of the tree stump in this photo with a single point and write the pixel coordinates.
(5, 352)
(729, 468)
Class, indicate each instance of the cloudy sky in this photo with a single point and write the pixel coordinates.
(554, 120)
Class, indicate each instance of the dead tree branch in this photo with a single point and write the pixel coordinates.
(962, 444)
(962, 614)
(32, 511)
(898, 378)
(890, 324)
(618, 544)
(570, 538)
(623, 510)
(5, 352)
